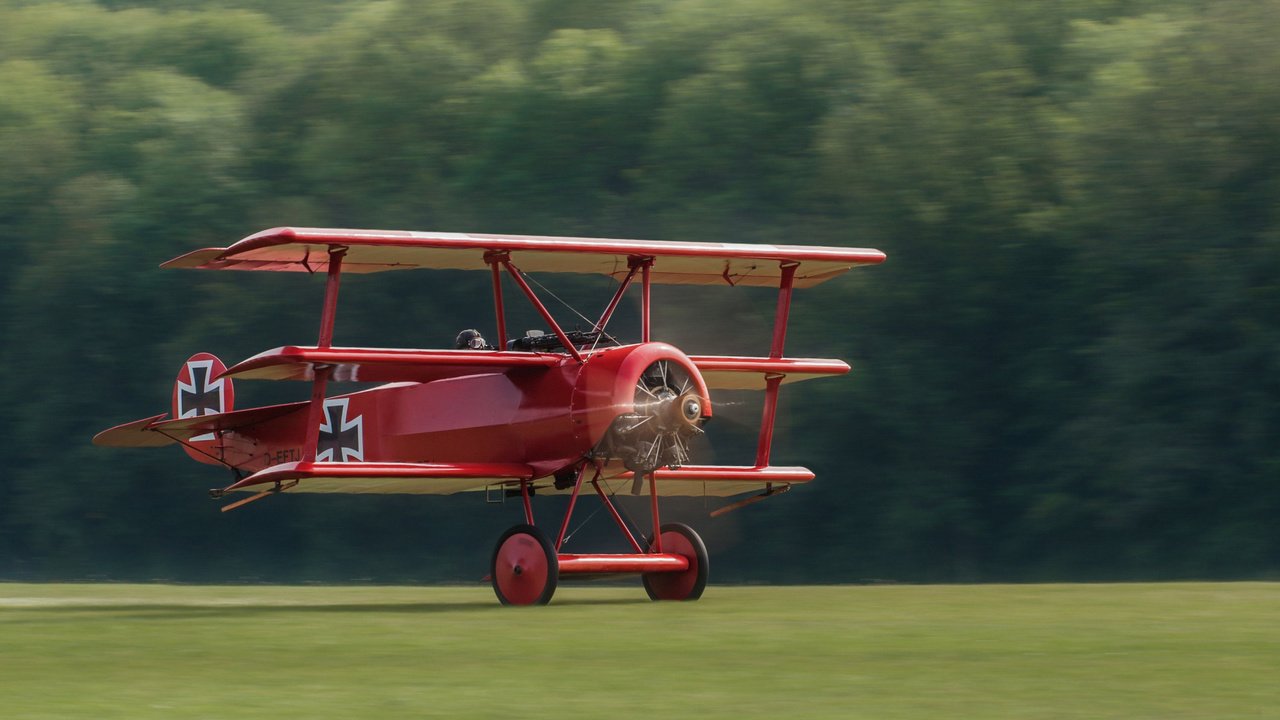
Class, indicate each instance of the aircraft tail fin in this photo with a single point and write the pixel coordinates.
(199, 390)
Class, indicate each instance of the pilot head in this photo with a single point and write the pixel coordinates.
(469, 340)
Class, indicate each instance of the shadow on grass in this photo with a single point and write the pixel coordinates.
(73, 612)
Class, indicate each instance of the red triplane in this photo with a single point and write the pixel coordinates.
(541, 414)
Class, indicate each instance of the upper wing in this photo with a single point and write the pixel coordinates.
(293, 362)
(382, 365)
(688, 263)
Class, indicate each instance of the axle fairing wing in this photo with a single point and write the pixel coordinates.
(291, 249)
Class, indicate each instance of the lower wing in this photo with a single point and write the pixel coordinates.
(450, 478)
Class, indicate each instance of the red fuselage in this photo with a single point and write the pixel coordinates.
(546, 417)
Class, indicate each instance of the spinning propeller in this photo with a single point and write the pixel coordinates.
(667, 416)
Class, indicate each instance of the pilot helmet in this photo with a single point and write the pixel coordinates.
(469, 340)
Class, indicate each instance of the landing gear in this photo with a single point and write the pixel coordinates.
(524, 568)
(526, 565)
(679, 539)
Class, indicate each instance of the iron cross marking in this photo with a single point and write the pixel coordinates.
(199, 398)
(340, 440)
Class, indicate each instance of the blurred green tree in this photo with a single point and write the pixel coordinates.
(1066, 370)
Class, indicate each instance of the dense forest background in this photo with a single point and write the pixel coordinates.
(1069, 368)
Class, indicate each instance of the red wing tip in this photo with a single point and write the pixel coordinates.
(194, 259)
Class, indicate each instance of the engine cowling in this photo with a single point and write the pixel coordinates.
(641, 404)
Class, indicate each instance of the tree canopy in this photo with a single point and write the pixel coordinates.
(1069, 368)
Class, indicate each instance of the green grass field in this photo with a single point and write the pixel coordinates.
(1036, 651)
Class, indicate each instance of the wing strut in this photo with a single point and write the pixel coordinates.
(645, 265)
(336, 253)
(499, 310)
(603, 322)
(765, 442)
(617, 519)
(514, 272)
(325, 341)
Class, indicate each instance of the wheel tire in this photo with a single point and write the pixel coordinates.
(524, 568)
(679, 539)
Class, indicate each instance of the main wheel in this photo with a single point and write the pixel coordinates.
(679, 539)
(524, 567)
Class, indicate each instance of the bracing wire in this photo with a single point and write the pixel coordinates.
(571, 308)
(557, 298)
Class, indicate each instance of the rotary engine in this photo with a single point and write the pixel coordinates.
(669, 412)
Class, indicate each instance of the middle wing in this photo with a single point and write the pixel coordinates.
(293, 362)
(723, 372)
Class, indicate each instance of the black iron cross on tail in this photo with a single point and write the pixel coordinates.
(201, 398)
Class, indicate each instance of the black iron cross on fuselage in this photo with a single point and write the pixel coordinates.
(339, 440)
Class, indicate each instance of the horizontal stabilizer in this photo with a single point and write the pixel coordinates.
(155, 431)
(290, 249)
(292, 362)
(187, 427)
(751, 373)
(386, 478)
(134, 434)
